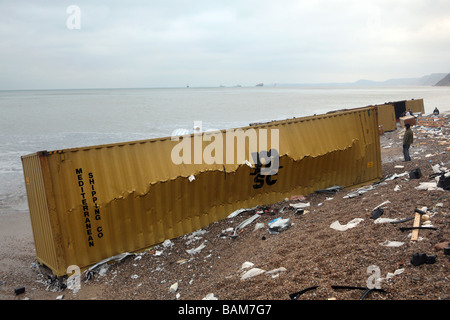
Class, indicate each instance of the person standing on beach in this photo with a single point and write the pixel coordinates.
(407, 141)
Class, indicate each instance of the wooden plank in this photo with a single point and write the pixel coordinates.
(415, 232)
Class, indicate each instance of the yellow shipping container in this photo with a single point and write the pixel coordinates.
(91, 203)
(386, 117)
(415, 105)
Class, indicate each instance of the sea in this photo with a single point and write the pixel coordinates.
(38, 120)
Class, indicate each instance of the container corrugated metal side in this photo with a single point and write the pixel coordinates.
(415, 105)
(103, 200)
(386, 117)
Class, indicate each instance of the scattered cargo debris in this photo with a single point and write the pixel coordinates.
(415, 174)
(388, 243)
(19, 290)
(378, 212)
(279, 224)
(365, 289)
(296, 295)
(330, 190)
(351, 224)
(422, 258)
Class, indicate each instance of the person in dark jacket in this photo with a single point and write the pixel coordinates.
(407, 141)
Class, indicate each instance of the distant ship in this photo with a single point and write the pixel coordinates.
(260, 84)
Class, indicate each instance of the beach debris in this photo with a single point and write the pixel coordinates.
(182, 261)
(397, 188)
(167, 243)
(60, 297)
(415, 174)
(276, 272)
(173, 288)
(277, 225)
(366, 290)
(19, 290)
(381, 204)
(252, 273)
(378, 212)
(196, 250)
(387, 220)
(300, 211)
(359, 192)
(444, 181)
(259, 225)
(421, 258)
(300, 205)
(210, 296)
(191, 178)
(388, 243)
(395, 176)
(239, 211)
(417, 228)
(244, 224)
(330, 190)
(351, 224)
(246, 265)
(117, 258)
(296, 295)
(429, 186)
(396, 273)
(297, 198)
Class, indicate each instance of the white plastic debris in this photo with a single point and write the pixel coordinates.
(246, 265)
(279, 223)
(384, 220)
(381, 204)
(351, 224)
(395, 175)
(173, 288)
(245, 223)
(191, 178)
(430, 186)
(276, 272)
(259, 225)
(135, 276)
(300, 205)
(388, 243)
(396, 273)
(210, 296)
(252, 273)
(196, 250)
(167, 243)
(397, 188)
(237, 212)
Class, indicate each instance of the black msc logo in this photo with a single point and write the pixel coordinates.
(264, 172)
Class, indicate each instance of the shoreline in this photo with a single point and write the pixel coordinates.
(18, 252)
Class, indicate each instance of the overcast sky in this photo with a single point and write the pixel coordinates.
(172, 43)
